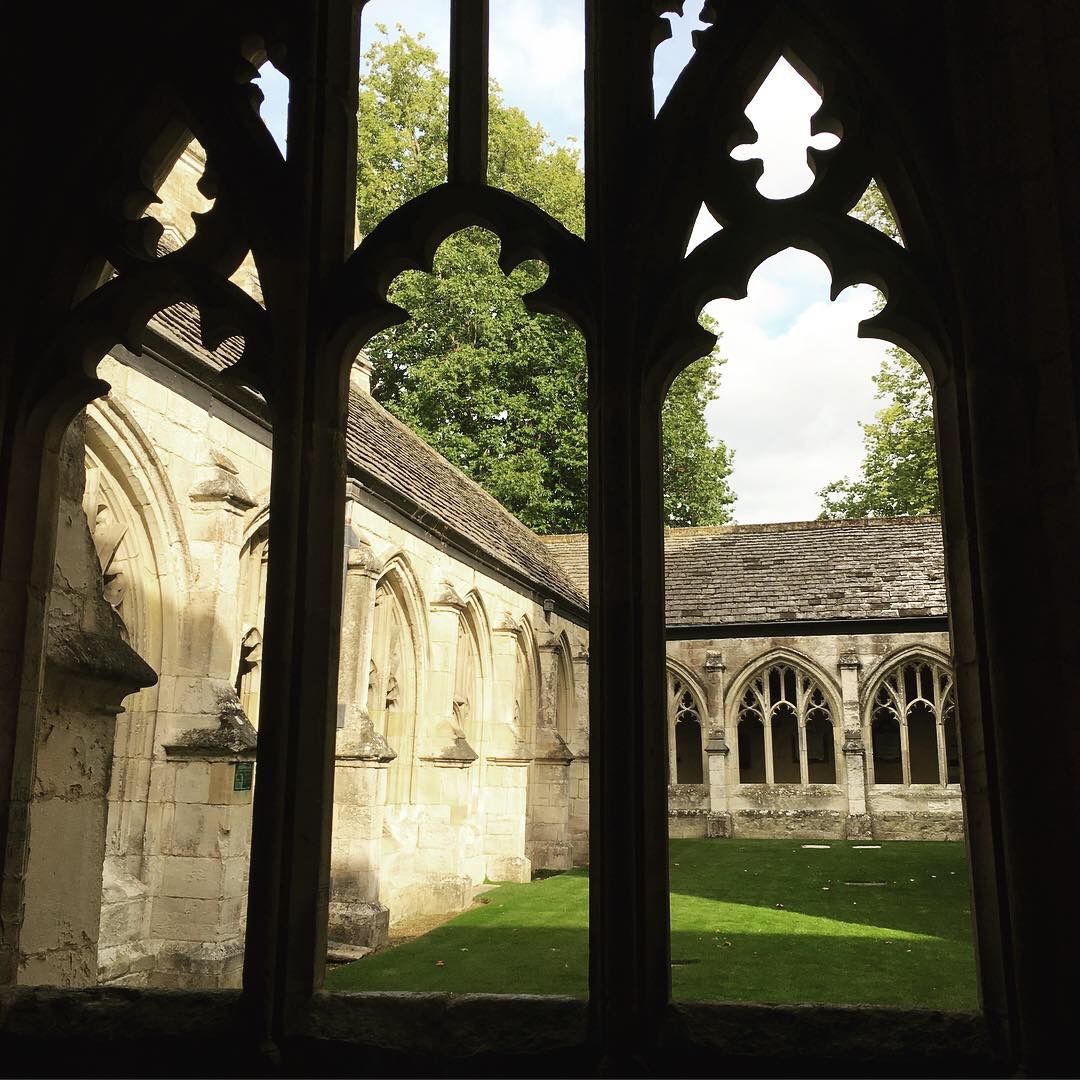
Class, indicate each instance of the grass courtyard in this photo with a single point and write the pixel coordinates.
(760, 920)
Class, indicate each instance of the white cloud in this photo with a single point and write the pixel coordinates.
(790, 403)
(537, 56)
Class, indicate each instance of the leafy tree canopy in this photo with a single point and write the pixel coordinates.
(898, 475)
(500, 392)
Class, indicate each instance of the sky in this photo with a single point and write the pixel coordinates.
(796, 381)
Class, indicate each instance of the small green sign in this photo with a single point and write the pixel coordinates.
(243, 775)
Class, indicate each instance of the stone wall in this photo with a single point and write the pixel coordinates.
(441, 785)
(476, 784)
(848, 668)
(89, 669)
(176, 492)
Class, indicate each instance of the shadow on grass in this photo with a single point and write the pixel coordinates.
(925, 888)
(761, 921)
(520, 939)
(792, 968)
(466, 960)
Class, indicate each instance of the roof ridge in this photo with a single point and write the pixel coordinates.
(800, 526)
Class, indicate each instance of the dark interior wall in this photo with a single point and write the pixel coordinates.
(980, 109)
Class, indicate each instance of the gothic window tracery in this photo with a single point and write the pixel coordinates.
(913, 725)
(785, 729)
(684, 732)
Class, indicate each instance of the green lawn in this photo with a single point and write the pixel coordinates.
(757, 920)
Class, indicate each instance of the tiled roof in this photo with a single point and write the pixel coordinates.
(401, 468)
(180, 322)
(394, 461)
(878, 568)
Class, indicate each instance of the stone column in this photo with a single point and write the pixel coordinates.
(548, 844)
(716, 747)
(508, 755)
(357, 919)
(202, 839)
(579, 768)
(858, 823)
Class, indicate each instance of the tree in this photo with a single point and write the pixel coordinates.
(696, 466)
(898, 475)
(496, 390)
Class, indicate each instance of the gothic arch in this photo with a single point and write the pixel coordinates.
(528, 680)
(899, 656)
(251, 610)
(565, 691)
(474, 645)
(408, 696)
(687, 717)
(786, 716)
(132, 511)
(687, 675)
(781, 656)
(258, 521)
(728, 65)
(909, 720)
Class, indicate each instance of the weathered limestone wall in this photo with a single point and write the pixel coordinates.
(174, 494)
(847, 666)
(89, 669)
(473, 762)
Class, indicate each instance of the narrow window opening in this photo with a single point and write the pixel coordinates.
(785, 746)
(751, 751)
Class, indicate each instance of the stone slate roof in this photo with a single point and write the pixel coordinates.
(180, 323)
(397, 463)
(877, 568)
(386, 457)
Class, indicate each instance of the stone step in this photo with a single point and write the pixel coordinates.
(339, 953)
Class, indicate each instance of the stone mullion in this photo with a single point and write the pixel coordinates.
(672, 714)
(800, 727)
(939, 728)
(905, 753)
(629, 952)
(768, 747)
(289, 882)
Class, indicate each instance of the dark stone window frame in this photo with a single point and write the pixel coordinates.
(628, 1021)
